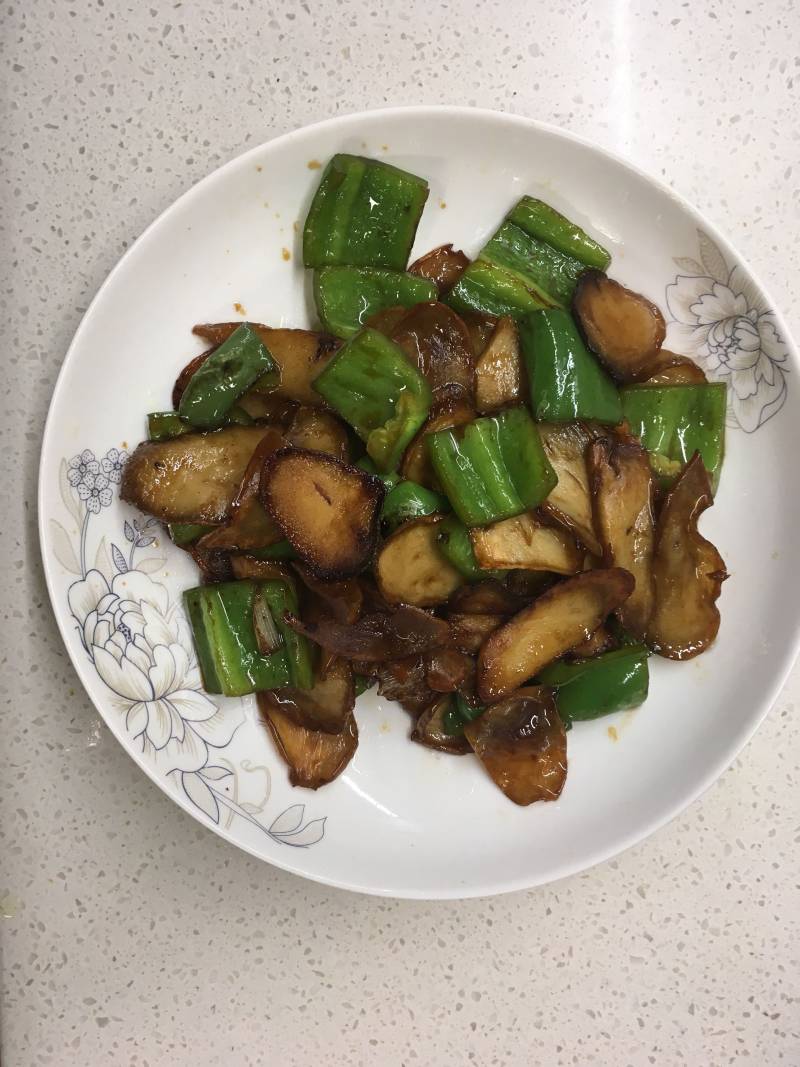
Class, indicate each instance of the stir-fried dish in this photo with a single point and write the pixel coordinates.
(477, 487)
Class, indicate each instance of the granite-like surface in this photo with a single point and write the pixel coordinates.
(130, 935)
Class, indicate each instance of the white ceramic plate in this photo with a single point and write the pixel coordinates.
(402, 820)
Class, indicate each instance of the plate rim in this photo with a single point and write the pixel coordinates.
(589, 859)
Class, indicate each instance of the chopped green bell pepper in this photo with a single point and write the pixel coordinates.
(221, 617)
(590, 688)
(221, 379)
(165, 425)
(545, 223)
(675, 421)
(390, 480)
(346, 297)
(364, 213)
(281, 599)
(375, 388)
(566, 381)
(407, 501)
(459, 713)
(494, 468)
(185, 533)
(453, 541)
(280, 550)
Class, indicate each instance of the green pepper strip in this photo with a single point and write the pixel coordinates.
(588, 689)
(281, 599)
(566, 381)
(221, 379)
(365, 212)
(221, 617)
(280, 550)
(496, 469)
(390, 480)
(675, 421)
(375, 388)
(346, 297)
(407, 501)
(459, 713)
(185, 533)
(544, 222)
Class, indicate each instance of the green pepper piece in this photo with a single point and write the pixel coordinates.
(545, 223)
(184, 533)
(407, 501)
(458, 714)
(590, 688)
(390, 480)
(566, 381)
(221, 617)
(489, 290)
(375, 388)
(494, 468)
(453, 541)
(346, 297)
(221, 379)
(548, 274)
(675, 421)
(165, 425)
(280, 550)
(281, 599)
(365, 213)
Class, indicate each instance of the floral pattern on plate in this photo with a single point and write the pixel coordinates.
(140, 646)
(720, 318)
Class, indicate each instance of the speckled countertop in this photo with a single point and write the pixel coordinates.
(131, 935)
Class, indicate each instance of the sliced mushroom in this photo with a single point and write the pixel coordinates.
(404, 681)
(431, 729)
(249, 526)
(262, 570)
(267, 407)
(436, 340)
(299, 354)
(416, 465)
(319, 431)
(522, 744)
(527, 585)
(687, 569)
(410, 569)
(480, 328)
(624, 328)
(558, 620)
(488, 597)
(671, 369)
(215, 565)
(379, 637)
(602, 640)
(314, 758)
(342, 600)
(191, 478)
(526, 543)
(570, 503)
(448, 670)
(443, 266)
(328, 511)
(470, 629)
(328, 706)
(623, 492)
(498, 371)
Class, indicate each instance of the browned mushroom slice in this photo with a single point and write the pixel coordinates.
(328, 511)
(570, 503)
(498, 371)
(527, 585)
(523, 745)
(431, 730)
(299, 354)
(385, 320)
(668, 368)
(602, 640)
(403, 681)
(249, 526)
(410, 569)
(314, 758)
(267, 407)
(328, 706)
(416, 465)
(558, 620)
(480, 328)
(215, 565)
(261, 570)
(191, 478)
(488, 597)
(343, 600)
(622, 327)
(526, 543)
(379, 637)
(687, 569)
(448, 670)
(470, 629)
(437, 342)
(622, 491)
(443, 266)
(319, 431)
